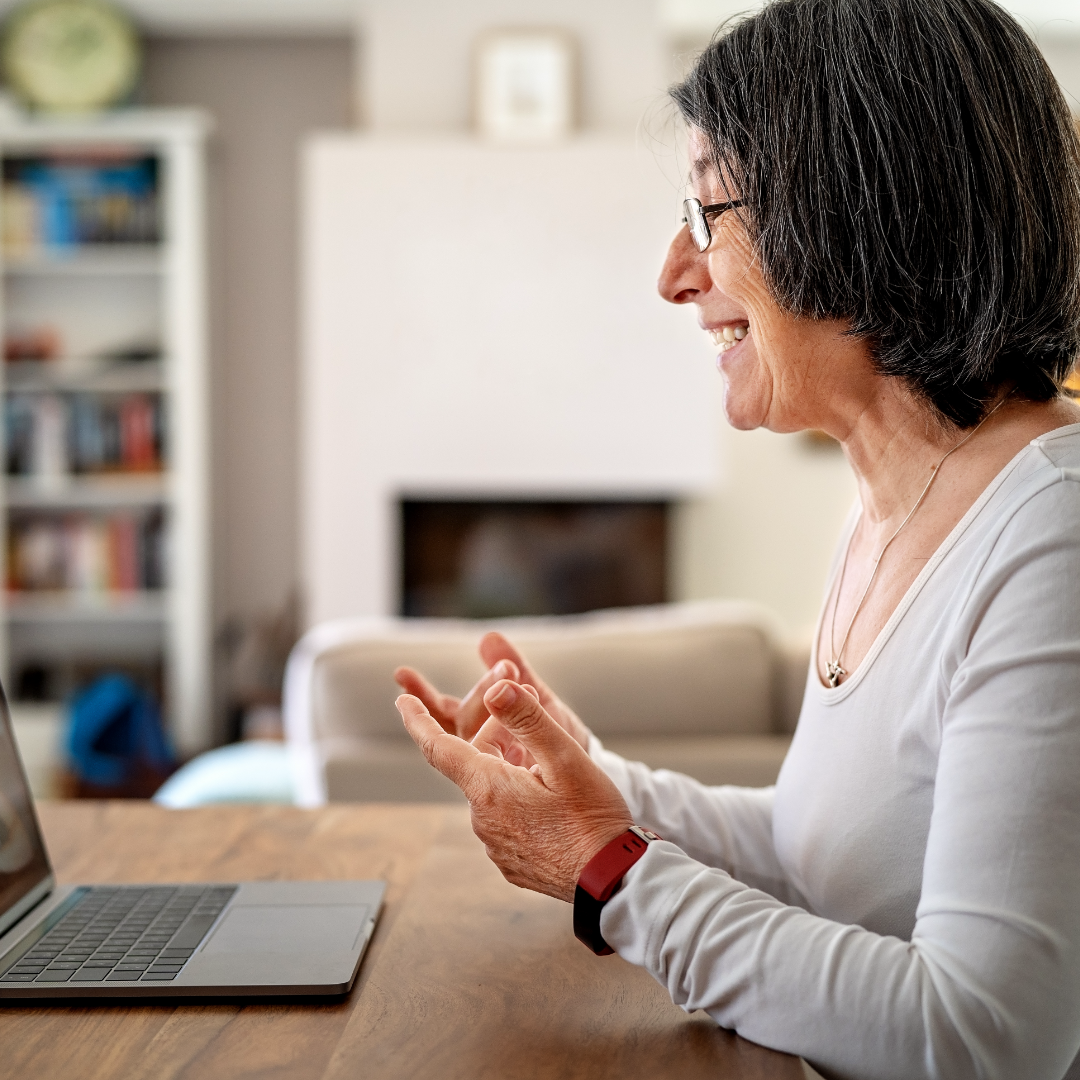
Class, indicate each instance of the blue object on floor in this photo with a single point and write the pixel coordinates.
(114, 729)
(246, 772)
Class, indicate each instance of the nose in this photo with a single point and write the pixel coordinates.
(685, 273)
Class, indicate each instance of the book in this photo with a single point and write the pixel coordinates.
(50, 436)
(87, 554)
(61, 201)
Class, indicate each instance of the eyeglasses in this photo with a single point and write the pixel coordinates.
(696, 216)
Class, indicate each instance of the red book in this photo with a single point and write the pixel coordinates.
(123, 555)
(137, 451)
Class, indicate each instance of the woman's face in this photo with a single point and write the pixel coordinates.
(780, 371)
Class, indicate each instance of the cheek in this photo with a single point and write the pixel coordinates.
(728, 268)
(744, 284)
(737, 276)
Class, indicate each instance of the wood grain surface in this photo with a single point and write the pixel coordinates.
(466, 977)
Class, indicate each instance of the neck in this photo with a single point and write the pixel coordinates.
(892, 442)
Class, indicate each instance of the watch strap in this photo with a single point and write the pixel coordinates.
(599, 880)
(587, 922)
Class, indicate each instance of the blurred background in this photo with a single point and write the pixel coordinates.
(326, 308)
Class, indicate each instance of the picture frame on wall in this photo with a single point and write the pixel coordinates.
(525, 85)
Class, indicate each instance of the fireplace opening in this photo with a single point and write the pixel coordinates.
(494, 559)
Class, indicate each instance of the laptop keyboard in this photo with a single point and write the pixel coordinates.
(125, 934)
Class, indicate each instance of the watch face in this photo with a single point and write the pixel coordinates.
(70, 55)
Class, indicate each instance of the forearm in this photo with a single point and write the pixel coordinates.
(725, 827)
(954, 1003)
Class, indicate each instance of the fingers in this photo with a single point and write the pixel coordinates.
(472, 712)
(442, 706)
(455, 759)
(494, 647)
(518, 710)
(494, 739)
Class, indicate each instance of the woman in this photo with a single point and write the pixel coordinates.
(892, 195)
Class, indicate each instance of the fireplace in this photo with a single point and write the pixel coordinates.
(536, 386)
(496, 558)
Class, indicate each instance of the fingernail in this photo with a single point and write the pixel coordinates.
(502, 669)
(504, 696)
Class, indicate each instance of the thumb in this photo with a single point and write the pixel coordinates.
(517, 709)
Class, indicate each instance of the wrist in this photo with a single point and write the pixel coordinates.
(601, 878)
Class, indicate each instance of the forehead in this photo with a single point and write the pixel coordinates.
(703, 175)
(701, 164)
(702, 171)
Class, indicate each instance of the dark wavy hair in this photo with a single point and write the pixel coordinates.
(910, 166)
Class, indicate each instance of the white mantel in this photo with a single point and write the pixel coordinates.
(483, 321)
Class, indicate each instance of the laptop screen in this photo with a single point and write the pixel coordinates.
(23, 862)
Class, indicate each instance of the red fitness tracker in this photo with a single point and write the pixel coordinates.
(599, 881)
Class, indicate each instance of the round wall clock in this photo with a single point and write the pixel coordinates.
(70, 55)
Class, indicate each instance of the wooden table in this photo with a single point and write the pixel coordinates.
(466, 977)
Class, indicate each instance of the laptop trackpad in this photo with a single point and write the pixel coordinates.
(309, 929)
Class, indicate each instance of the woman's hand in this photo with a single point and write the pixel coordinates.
(540, 825)
(459, 716)
(464, 717)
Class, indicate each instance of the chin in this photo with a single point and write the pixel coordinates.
(743, 412)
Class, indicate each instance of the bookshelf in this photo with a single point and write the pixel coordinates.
(104, 502)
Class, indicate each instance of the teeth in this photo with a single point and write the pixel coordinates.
(727, 336)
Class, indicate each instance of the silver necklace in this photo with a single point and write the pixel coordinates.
(833, 671)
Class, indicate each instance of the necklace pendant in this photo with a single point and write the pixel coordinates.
(833, 673)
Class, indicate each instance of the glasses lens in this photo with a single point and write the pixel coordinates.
(699, 227)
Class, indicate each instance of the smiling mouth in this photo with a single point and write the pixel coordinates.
(727, 337)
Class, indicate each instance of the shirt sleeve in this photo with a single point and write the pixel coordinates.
(725, 827)
(989, 984)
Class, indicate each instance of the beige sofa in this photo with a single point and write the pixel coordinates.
(710, 689)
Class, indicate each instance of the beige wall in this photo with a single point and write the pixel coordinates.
(416, 58)
(1063, 56)
(768, 529)
(264, 95)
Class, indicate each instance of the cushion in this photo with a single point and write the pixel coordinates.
(384, 770)
(391, 770)
(743, 760)
(687, 670)
(249, 772)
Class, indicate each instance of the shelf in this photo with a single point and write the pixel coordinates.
(45, 607)
(94, 260)
(87, 492)
(102, 376)
(82, 302)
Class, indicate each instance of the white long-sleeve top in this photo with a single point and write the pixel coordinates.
(905, 903)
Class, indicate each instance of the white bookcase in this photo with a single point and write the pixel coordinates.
(107, 565)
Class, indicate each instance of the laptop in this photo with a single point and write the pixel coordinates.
(248, 938)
